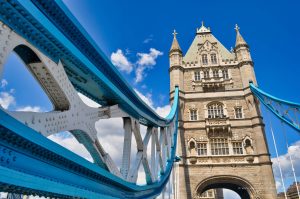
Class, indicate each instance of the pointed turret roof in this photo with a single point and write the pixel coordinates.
(175, 45)
(239, 39)
(203, 29)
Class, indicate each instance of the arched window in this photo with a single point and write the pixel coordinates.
(215, 110)
(204, 59)
(213, 58)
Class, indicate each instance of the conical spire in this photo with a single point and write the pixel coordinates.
(239, 39)
(175, 46)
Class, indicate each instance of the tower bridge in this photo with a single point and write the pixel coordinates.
(213, 137)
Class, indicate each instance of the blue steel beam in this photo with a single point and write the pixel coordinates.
(281, 110)
(50, 27)
(33, 164)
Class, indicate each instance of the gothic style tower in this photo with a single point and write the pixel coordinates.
(221, 136)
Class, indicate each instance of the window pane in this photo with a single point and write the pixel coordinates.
(193, 115)
(204, 59)
(215, 111)
(197, 75)
(202, 149)
(213, 58)
(219, 146)
(237, 148)
(238, 113)
(225, 74)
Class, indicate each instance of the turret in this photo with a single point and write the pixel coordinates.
(175, 53)
(241, 47)
(243, 56)
(176, 70)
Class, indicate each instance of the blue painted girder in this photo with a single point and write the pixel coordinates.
(31, 163)
(266, 98)
(50, 27)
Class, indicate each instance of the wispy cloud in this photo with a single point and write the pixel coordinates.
(3, 83)
(7, 99)
(148, 39)
(30, 109)
(293, 151)
(120, 60)
(145, 61)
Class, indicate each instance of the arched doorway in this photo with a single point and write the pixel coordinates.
(241, 186)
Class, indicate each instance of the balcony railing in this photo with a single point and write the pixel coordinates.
(217, 122)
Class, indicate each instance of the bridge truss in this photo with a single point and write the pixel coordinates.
(288, 112)
(65, 60)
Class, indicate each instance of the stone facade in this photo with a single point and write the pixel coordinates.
(221, 136)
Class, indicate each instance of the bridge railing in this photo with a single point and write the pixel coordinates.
(286, 111)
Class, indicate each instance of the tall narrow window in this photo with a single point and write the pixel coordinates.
(219, 146)
(238, 113)
(225, 74)
(216, 73)
(204, 59)
(206, 74)
(213, 58)
(197, 76)
(193, 115)
(202, 149)
(237, 148)
(215, 110)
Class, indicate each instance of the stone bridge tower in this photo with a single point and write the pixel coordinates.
(222, 140)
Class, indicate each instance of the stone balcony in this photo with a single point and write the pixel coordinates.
(222, 160)
(212, 82)
(221, 123)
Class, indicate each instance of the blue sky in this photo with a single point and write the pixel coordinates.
(140, 31)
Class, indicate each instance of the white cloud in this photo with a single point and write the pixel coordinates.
(30, 109)
(3, 83)
(228, 194)
(88, 101)
(278, 185)
(146, 61)
(6, 100)
(121, 61)
(163, 111)
(294, 151)
(72, 144)
(146, 98)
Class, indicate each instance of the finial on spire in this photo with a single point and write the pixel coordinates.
(237, 28)
(175, 46)
(203, 29)
(239, 39)
(174, 33)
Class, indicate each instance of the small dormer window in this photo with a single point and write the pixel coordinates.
(193, 115)
(206, 74)
(197, 76)
(216, 73)
(213, 58)
(204, 59)
(225, 74)
(238, 112)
